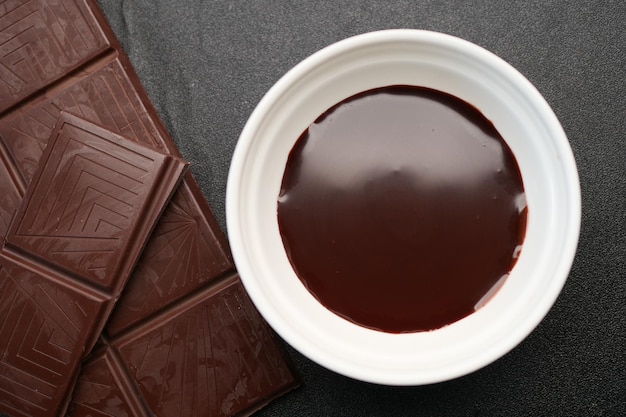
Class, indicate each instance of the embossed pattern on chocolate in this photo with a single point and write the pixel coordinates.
(185, 335)
(45, 324)
(40, 41)
(202, 332)
(75, 239)
(183, 254)
(99, 94)
(96, 196)
(185, 271)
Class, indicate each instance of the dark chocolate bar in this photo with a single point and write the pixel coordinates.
(184, 307)
(42, 41)
(47, 321)
(185, 267)
(72, 245)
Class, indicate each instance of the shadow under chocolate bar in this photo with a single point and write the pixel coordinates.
(184, 338)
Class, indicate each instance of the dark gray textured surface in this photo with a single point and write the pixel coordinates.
(205, 65)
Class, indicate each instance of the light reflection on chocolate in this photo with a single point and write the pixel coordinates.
(401, 208)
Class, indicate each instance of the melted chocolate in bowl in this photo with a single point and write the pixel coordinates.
(402, 209)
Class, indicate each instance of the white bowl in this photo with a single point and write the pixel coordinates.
(520, 114)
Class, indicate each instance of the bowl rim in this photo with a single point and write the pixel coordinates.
(237, 236)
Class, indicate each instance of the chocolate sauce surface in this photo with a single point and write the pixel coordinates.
(402, 209)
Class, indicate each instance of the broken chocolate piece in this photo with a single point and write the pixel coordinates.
(70, 250)
(48, 319)
(207, 355)
(94, 202)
